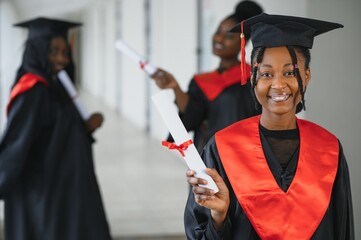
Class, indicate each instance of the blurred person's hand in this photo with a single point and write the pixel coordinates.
(94, 121)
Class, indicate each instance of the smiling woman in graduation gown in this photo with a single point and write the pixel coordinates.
(336, 223)
(279, 177)
(47, 177)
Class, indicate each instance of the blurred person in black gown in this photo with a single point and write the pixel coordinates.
(47, 178)
(279, 177)
(216, 99)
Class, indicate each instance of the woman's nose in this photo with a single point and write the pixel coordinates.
(61, 58)
(218, 37)
(278, 82)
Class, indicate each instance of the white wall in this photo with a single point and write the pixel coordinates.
(11, 49)
(173, 47)
(30, 8)
(132, 78)
(10, 52)
(334, 98)
(98, 56)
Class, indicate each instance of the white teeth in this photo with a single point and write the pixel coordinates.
(218, 46)
(280, 98)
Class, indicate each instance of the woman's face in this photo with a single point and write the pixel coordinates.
(58, 54)
(277, 88)
(226, 44)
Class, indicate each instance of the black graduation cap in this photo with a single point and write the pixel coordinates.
(43, 27)
(278, 30)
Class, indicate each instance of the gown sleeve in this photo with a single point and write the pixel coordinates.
(338, 221)
(195, 112)
(343, 198)
(22, 129)
(342, 202)
(197, 108)
(197, 219)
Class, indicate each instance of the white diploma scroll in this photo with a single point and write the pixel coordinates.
(70, 88)
(180, 135)
(124, 48)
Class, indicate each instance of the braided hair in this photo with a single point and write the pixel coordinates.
(257, 53)
(298, 75)
(256, 59)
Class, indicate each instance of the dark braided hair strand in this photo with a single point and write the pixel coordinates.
(258, 53)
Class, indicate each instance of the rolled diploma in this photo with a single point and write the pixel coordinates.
(180, 135)
(124, 48)
(73, 94)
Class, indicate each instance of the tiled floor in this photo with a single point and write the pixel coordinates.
(143, 185)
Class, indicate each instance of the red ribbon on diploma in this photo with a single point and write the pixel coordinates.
(181, 147)
(142, 65)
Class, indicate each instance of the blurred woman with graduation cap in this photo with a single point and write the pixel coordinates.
(47, 177)
(216, 99)
(279, 177)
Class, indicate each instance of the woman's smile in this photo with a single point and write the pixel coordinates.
(279, 97)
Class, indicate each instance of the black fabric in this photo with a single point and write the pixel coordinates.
(47, 177)
(336, 224)
(277, 30)
(283, 144)
(206, 117)
(46, 27)
(282, 174)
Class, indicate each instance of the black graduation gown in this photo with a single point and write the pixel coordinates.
(206, 117)
(47, 177)
(336, 224)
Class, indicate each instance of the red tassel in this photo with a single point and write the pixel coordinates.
(243, 57)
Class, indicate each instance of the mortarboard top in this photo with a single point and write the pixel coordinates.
(277, 30)
(43, 27)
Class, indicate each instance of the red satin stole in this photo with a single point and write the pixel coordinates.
(275, 214)
(213, 83)
(26, 82)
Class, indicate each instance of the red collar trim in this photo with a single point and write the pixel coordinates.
(273, 213)
(213, 83)
(26, 82)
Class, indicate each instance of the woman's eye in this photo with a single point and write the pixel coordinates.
(230, 35)
(290, 73)
(52, 51)
(266, 75)
(66, 54)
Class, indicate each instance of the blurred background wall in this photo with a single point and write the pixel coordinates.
(176, 35)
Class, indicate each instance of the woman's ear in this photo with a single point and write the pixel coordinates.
(307, 76)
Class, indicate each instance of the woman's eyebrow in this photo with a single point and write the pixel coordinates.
(266, 65)
(270, 66)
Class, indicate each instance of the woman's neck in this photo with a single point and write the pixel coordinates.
(278, 121)
(226, 64)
